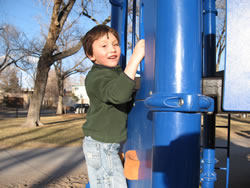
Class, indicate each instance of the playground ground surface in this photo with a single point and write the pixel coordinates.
(64, 166)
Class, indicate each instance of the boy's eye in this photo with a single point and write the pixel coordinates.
(104, 46)
(116, 44)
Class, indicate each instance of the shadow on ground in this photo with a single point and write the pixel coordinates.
(46, 167)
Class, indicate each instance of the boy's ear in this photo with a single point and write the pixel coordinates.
(92, 58)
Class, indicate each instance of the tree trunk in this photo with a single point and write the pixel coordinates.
(59, 17)
(60, 105)
(33, 117)
(60, 86)
(60, 97)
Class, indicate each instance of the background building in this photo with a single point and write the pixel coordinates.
(80, 92)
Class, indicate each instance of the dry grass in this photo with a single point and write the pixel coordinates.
(66, 130)
(63, 130)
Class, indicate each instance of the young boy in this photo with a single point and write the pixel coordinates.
(109, 90)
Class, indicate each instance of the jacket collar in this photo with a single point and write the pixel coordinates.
(106, 67)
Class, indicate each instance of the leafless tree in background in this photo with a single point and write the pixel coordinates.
(48, 56)
(51, 92)
(220, 30)
(12, 43)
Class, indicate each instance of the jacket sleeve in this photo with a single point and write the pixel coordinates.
(116, 90)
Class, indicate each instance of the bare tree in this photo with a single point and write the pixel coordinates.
(60, 14)
(12, 43)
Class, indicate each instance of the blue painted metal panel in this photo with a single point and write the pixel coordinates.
(140, 139)
(140, 118)
(148, 32)
(237, 67)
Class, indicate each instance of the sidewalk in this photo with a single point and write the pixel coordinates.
(47, 167)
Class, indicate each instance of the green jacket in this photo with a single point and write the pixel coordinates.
(109, 91)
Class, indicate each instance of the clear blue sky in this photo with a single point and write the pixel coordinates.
(23, 14)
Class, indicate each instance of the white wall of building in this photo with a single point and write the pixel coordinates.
(80, 92)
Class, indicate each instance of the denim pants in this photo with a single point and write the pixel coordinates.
(104, 165)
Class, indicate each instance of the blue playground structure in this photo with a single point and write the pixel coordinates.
(164, 126)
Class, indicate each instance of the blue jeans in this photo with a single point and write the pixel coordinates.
(104, 165)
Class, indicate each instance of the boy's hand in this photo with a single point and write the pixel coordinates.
(135, 59)
(139, 50)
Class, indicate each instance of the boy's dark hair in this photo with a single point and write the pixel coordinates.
(94, 34)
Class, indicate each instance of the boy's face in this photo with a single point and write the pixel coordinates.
(106, 51)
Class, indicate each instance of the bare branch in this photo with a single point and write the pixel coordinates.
(65, 12)
(107, 20)
(67, 53)
(85, 13)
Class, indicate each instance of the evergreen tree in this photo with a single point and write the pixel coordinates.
(9, 81)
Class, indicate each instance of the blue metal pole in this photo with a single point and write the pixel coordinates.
(208, 175)
(141, 35)
(116, 14)
(119, 23)
(176, 120)
(209, 66)
(141, 31)
(87, 185)
(134, 25)
(228, 149)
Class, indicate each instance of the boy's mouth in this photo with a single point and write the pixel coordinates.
(112, 57)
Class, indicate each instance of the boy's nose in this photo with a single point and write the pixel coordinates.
(112, 48)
